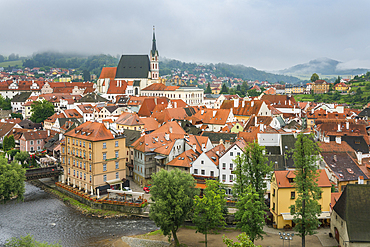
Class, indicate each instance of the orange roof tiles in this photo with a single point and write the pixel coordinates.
(184, 160)
(212, 116)
(283, 182)
(108, 72)
(92, 131)
(160, 87)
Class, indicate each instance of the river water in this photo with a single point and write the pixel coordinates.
(48, 219)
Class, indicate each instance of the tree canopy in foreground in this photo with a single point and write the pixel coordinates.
(12, 178)
(173, 195)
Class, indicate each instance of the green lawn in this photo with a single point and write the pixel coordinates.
(303, 97)
(11, 63)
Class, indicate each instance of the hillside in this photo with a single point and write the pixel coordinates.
(322, 66)
(168, 66)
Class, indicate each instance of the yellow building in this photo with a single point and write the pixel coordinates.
(93, 156)
(297, 90)
(342, 87)
(283, 195)
(320, 86)
(64, 79)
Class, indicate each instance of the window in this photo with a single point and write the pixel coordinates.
(74, 162)
(117, 175)
(74, 172)
(69, 170)
(90, 168)
(63, 150)
(116, 154)
(195, 171)
(38, 141)
(38, 148)
(31, 142)
(212, 173)
(116, 144)
(84, 166)
(292, 195)
(77, 174)
(84, 144)
(273, 194)
(104, 156)
(68, 140)
(231, 166)
(104, 167)
(69, 161)
(202, 162)
(203, 172)
(90, 145)
(84, 176)
(231, 154)
(90, 178)
(105, 178)
(231, 178)
(238, 154)
(80, 143)
(117, 165)
(273, 206)
(104, 145)
(73, 141)
(223, 165)
(223, 177)
(63, 159)
(90, 156)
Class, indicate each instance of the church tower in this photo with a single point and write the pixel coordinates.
(154, 62)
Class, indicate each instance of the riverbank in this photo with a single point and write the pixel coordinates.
(78, 206)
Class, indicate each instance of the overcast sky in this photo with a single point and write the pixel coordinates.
(265, 34)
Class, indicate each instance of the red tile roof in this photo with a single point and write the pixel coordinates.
(92, 131)
(283, 182)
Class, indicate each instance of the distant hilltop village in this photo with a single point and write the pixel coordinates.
(130, 124)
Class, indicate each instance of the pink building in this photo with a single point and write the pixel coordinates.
(33, 140)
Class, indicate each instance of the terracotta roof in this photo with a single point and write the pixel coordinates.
(92, 131)
(184, 160)
(213, 116)
(117, 87)
(334, 198)
(160, 87)
(283, 182)
(149, 123)
(169, 114)
(280, 100)
(86, 108)
(55, 116)
(108, 72)
(129, 119)
(35, 135)
(5, 128)
(332, 146)
(215, 153)
(72, 113)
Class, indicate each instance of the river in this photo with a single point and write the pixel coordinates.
(48, 219)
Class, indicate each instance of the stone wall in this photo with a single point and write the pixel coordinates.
(5, 113)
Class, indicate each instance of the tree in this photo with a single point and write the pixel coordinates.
(173, 195)
(17, 115)
(11, 142)
(6, 144)
(12, 178)
(2, 58)
(86, 75)
(208, 212)
(22, 156)
(253, 93)
(224, 89)
(244, 241)
(208, 89)
(315, 77)
(28, 241)
(41, 110)
(252, 168)
(306, 208)
(250, 215)
(337, 80)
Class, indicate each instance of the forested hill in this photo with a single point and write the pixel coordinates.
(223, 70)
(93, 64)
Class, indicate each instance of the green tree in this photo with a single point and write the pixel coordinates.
(41, 110)
(253, 168)
(173, 195)
(28, 241)
(253, 93)
(6, 144)
(315, 77)
(11, 142)
(306, 208)
(250, 215)
(208, 212)
(244, 241)
(86, 75)
(17, 115)
(22, 156)
(337, 80)
(208, 89)
(12, 178)
(2, 58)
(224, 89)
(13, 152)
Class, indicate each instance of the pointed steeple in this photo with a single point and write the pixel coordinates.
(154, 46)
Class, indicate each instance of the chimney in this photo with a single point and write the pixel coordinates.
(360, 180)
(289, 102)
(255, 121)
(339, 127)
(155, 101)
(117, 83)
(170, 129)
(347, 125)
(175, 104)
(262, 127)
(338, 139)
(201, 112)
(312, 111)
(236, 103)
(48, 132)
(167, 136)
(359, 157)
(203, 146)
(194, 147)
(214, 113)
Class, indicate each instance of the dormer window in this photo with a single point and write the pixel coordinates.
(290, 180)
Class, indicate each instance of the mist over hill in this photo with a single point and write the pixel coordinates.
(323, 66)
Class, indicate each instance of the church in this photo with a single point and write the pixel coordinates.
(133, 73)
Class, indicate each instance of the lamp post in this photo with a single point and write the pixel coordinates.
(286, 236)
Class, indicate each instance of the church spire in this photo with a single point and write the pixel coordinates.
(154, 46)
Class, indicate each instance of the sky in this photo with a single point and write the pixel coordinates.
(264, 34)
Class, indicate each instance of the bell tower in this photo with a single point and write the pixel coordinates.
(154, 61)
